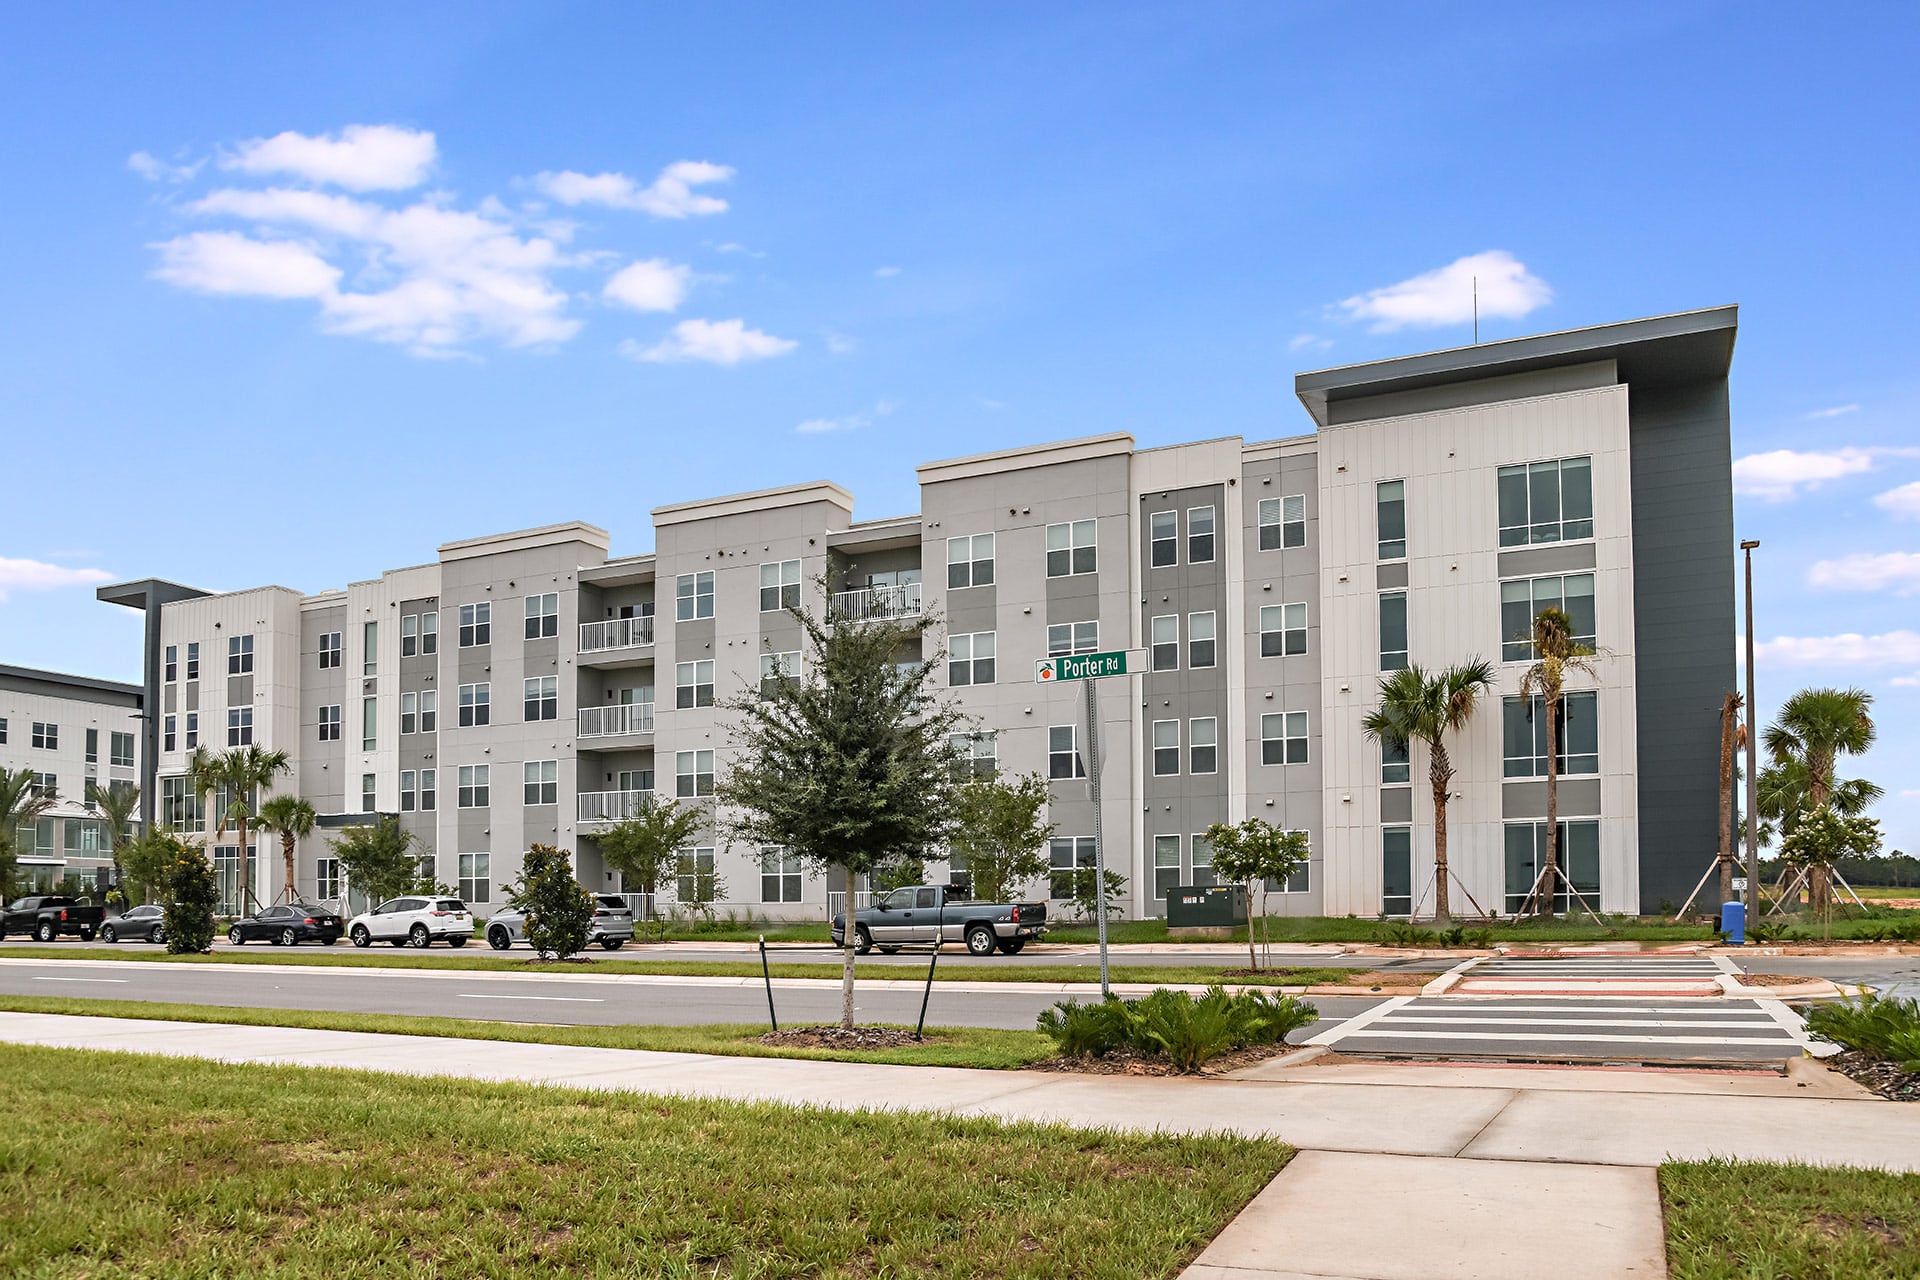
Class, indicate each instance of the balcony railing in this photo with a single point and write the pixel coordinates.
(612, 806)
(837, 901)
(621, 717)
(615, 633)
(901, 601)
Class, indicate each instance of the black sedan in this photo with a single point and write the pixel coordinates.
(142, 924)
(287, 924)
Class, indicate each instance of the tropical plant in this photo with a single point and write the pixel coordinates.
(1884, 1026)
(192, 895)
(116, 803)
(242, 772)
(1085, 1030)
(1257, 853)
(1814, 728)
(1556, 656)
(379, 858)
(1174, 1025)
(559, 913)
(645, 849)
(1000, 831)
(21, 804)
(1732, 736)
(292, 818)
(847, 764)
(1416, 706)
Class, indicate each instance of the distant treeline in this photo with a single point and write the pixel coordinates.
(1896, 869)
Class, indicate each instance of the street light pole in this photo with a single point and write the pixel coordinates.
(1753, 757)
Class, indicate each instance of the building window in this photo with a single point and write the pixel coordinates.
(1299, 882)
(169, 735)
(429, 710)
(1578, 859)
(693, 773)
(429, 794)
(239, 726)
(779, 586)
(408, 794)
(476, 877)
(543, 616)
(367, 792)
(409, 636)
(540, 698)
(369, 722)
(92, 746)
(699, 865)
(370, 649)
(1390, 514)
(330, 723)
(1283, 522)
(775, 667)
(1064, 638)
(1524, 736)
(1199, 535)
(1063, 758)
(779, 875)
(239, 655)
(1202, 862)
(476, 624)
(45, 784)
(476, 705)
(46, 737)
(1166, 866)
(1203, 743)
(475, 788)
(1283, 630)
(1163, 634)
(1066, 855)
(693, 684)
(1396, 765)
(193, 660)
(409, 713)
(970, 561)
(329, 650)
(541, 780)
(1163, 539)
(1393, 630)
(1396, 871)
(193, 730)
(974, 754)
(1166, 747)
(1070, 549)
(429, 634)
(181, 808)
(1200, 640)
(1283, 737)
(172, 665)
(326, 878)
(1521, 602)
(970, 659)
(233, 878)
(693, 596)
(1546, 502)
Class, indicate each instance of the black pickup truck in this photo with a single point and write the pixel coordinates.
(933, 913)
(47, 918)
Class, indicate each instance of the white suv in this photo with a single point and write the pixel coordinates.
(413, 920)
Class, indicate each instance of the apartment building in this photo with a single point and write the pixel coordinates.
(529, 687)
(70, 731)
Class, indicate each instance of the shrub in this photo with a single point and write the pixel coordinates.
(192, 894)
(1461, 936)
(559, 911)
(1406, 935)
(1170, 1024)
(1883, 1026)
(1085, 1030)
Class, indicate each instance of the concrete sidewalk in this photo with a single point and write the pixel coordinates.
(1406, 1171)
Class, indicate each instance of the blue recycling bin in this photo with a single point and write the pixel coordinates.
(1733, 922)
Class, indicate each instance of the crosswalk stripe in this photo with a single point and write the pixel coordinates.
(1588, 1038)
(1398, 1018)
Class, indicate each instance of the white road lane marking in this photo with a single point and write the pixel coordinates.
(1454, 1020)
(1752, 1042)
(38, 978)
(1332, 1035)
(470, 995)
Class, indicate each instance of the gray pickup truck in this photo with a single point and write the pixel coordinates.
(933, 913)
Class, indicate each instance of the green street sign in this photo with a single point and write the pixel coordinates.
(1087, 666)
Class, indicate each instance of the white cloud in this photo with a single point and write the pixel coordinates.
(1309, 342)
(154, 169)
(670, 195)
(885, 273)
(1907, 682)
(227, 263)
(852, 422)
(1835, 411)
(1446, 295)
(1892, 648)
(364, 157)
(712, 342)
(841, 344)
(1896, 571)
(1781, 474)
(652, 285)
(1903, 502)
(36, 575)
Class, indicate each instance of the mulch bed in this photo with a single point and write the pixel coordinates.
(1382, 978)
(1124, 1062)
(1883, 1077)
(840, 1038)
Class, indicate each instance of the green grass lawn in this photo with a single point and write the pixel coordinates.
(1349, 929)
(122, 1165)
(1728, 1220)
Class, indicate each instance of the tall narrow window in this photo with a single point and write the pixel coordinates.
(1164, 634)
(368, 793)
(173, 662)
(409, 713)
(1166, 747)
(1063, 759)
(239, 655)
(239, 726)
(693, 596)
(1396, 871)
(1390, 508)
(329, 650)
(1283, 630)
(369, 722)
(1283, 522)
(1202, 874)
(1166, 866)
(429, 794)
(1203, 742)
(1393, 630)
(1395, 763)
(1071, 549)
(779, 586)
(330, 723)
(192, 730)
(1199, 535)
(429, 710)
(1283, 738)
(1163, 545)
(970, 561)
(169, 732)
(429, 634)
(193, 660)
(409, 635)
(408, 793)
(1200, 639)
(476, 877)
(476, 624)
(93, 746)
(542, 616)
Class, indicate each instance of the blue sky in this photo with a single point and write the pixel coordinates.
(282, 289)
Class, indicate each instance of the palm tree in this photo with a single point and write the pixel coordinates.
(1732, 737)
(242, 771)
(293, 817)
(1556, 654)
(1417, 706)
(21, 804)
(116, 802)
(1814, 727)
(1782, 798)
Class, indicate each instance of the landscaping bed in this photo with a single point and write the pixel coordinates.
(1882, 1039)
(1126, 1061)
(1184, 1032)
(850, 1038)
(1888, 1079)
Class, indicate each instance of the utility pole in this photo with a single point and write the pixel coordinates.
(1753, 757)
(1099, 814)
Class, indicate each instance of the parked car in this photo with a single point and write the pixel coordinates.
(146, 923)
(287, 924)
(419, 921)
(612, 925)
(47, 917)
(939, 914)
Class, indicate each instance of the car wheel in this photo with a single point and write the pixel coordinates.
(86, 935)
(361, 938)
(287, 938)
(979, 940)
(419, 937)
(1012, 945)
(457, 940)
(611, 944)
(159, 934)
(498, 938)
(110, 934)
(46, 932)
(236, 937)
(862, 940)
(889, 951)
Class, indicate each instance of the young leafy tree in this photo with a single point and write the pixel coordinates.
(145, 863)
(1416, 706)
(192, 895)
(292, 817)
(1556, 656)
(379, 858)
(645, 849)
(1255, 852)
(999, 828)
(846, 765)
(1814, 728)
(696, 887)
(559, 912)
(116, 804)
(1823, 837)
(244, 772)
(1086, 898)
(21, 804)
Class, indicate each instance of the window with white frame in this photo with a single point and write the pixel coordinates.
(541, 782)
(1522, 600)
(1063, 755)
(169, 733)
(970, 561)
(698, 862)
(429, 634)
(1200, 535)
(692, 773)
(408, 792)
(1201, 648)
(1283, 630)
(1163, 634)
(1283, 522)
(779, 585)
(326, 878)
(693, 684)
(775, 667)
(330, 723)
(1203, 744)
(368, 790)
(974, 754)
(1546, 502)
(1576, 733)
(172, 664)
(429, 793)
(1393, 630)
(240, 655)
(93, 746)
(1283, 737)
(1067, 855)
(369, 722)
(542, 616)
(46, 736)
(1396, 871)
(120, 750)
(476, 877)
(476, 624)
(193, 660)
(475, 786)
(409, 713)
(45, 784)
(1299, 882)
(1390, 518)
(780, 874)
(1166, 866)
(239, 726)
(1577, 860)
(329, 650)
(370, 649)
(429, 710)
(192, 731)
(540, 698)
(1396, 764)
(409, 635)
(1064, 638)
(1166, 747)
(1202, 862)
(693, 596)
(970, 659)
(1163, 539)
(1071, 549)
(476, 705)
(181, 807)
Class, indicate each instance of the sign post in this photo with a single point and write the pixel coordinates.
(1086, 668)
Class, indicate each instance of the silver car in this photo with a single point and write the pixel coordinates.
(612, 925)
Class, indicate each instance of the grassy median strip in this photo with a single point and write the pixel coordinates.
(1732, 1220)
(122, 1164)
(983, 1047)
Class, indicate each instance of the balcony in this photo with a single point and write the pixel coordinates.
(877, 603)
(616, 636)
(616, 720)
(606, 807)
